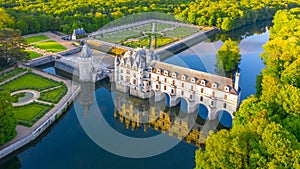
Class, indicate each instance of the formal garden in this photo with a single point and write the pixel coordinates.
(139, 36)
(33, 95)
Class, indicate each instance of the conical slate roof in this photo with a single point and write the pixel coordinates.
(85, 52)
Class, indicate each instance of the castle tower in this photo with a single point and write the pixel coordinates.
(85, 64)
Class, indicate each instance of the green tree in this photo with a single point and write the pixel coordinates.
(7, 120)
(12, 47)
(228, 57)
(5, 19)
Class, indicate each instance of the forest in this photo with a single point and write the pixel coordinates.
(266, 129)
(65, 16)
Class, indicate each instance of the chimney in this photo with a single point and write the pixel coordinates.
(236, 81)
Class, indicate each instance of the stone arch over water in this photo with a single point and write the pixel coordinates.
(225, 118)
(202, 111)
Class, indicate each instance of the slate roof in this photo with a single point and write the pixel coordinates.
(190, 73)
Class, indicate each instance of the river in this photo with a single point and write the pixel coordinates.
(67, 145)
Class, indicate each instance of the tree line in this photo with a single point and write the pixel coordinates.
(266, 129)
(65, 16)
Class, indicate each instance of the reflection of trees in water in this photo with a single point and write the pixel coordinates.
(242, 33)
(13, 163)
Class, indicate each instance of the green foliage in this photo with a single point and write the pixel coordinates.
(38, 38)
(30, 81)
(54, 95)
(231, 14)
(266, 128)
(11, 73)
(28, 114)
(259, 144)
(15, 97)
(33, 17)
(228, 57)
(5, 19)
(50, 46)
(11, 47)
(7, 120)
(33, 55)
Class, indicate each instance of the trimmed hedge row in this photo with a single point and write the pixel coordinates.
(44, 95)
(33, 88)
(37, 117)
(9, 74)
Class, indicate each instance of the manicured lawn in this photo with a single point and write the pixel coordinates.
(10, 74)
(36, 38)
(33, 55)
(29, 114)
(50, 46)
(54, 95)
(30, 81)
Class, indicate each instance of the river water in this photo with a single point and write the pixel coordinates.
(67, 145)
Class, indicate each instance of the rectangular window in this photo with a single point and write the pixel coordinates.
(157, 78)
(213, 93)
(224, 106)
(156, 86)
(202, 90)
(191, 96)
(182, 92)
(165, 87)
(201, 98)
(192, 88)
(212, 103)
(182, 85)
(165, 80)
(173, 82)
(225, 97)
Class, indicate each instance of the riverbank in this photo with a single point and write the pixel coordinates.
(27, 134)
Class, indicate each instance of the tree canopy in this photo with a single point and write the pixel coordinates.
(266, 129)
(7, 120)
(65, 15)
(11, 47)
(228, 57)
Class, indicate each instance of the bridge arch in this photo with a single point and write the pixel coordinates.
(225, 118)
(202, 111)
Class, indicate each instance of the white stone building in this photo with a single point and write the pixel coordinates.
(140, 73)
(131, 72)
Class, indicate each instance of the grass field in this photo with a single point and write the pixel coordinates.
(29, 114)
(50, 46)
(34, 39)
(30, 81)
(10, 74)
(54, 95)
(33, 55)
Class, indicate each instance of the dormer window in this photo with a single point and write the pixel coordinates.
(193, 80)
(174, 75)
(166, 73)
(158, 71)
(150, 69)
(215, 85)
(203, 82)
(183, 77)
(226, 88)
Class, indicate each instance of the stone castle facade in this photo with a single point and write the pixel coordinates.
(140, 73)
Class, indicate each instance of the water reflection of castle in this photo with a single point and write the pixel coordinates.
(135, 113)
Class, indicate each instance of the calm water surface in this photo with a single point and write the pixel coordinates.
(67, 146)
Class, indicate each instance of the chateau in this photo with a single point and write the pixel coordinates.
(140, 73)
